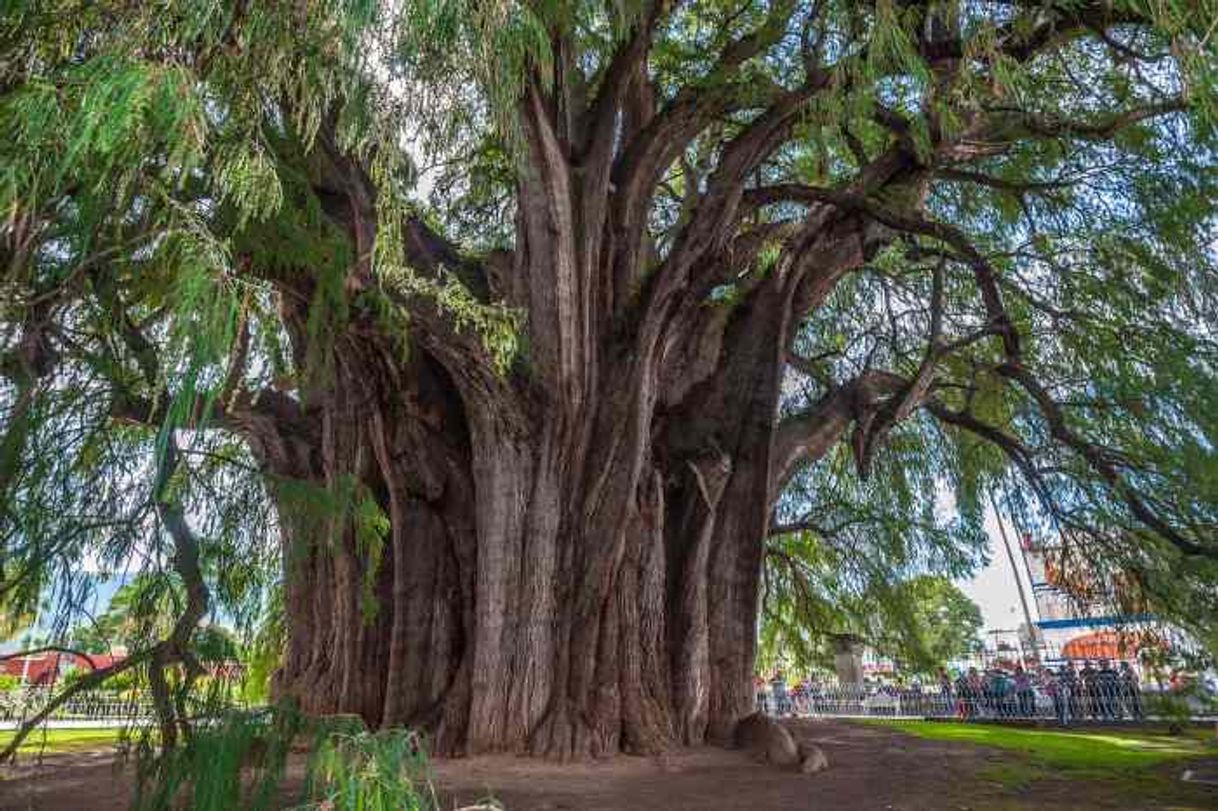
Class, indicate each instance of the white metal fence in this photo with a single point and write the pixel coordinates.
(995, 700)
(88, 705)
(980, 699)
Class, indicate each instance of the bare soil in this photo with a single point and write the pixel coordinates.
(870, 768)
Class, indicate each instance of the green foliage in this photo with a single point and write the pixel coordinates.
(379, 771)
(498, 328)
(945, 624)
(238, 762)
(262, 655)
(371, 529)
(921, 623)
(873, 558)
(140, 610)
(1102, 251)
(324, 516)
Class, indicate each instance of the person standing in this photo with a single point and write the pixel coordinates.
(1132, 691)
(1001, 694)
(963, 709)
(1058, 689)
(974, 690)
(778, 694)
(1073, 690)
(1109, 685)
(1025, 696)
(799, 697)
(759, 692)
(945, 692)
(977, 687)
(1090, 691)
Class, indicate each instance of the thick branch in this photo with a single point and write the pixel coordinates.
(693, 107)
(983, 272)
(667, 134)
(241, 410)
(429, 253)
(348, 195)
(1098, 130)
(810, 434)
(176, 648)
(617, 80)
(1015, 450)
(793, 527)
(1001, 184)
(872, 430)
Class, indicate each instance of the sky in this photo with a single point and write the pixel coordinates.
(993, 588)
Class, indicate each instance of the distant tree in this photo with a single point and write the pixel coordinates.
(14, 622)
(942, 624)
(139, 613)
(921, 621)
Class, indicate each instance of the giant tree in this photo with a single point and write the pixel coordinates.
(520, 326)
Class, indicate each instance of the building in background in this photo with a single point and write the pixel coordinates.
(1075, 612)
(46, 668)
(1077, 616)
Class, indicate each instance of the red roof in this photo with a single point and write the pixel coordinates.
(43, 668)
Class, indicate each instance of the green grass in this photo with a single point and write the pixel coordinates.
(64, 740)
(1102, 764)
(1102, 750)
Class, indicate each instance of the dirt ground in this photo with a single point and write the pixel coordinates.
(870, 768)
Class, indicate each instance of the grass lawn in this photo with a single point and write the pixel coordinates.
(1126, 763)
(1102, 750)
(64, 740)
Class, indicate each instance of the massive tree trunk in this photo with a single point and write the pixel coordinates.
(523, 602)
(565, 575)
(575, 546)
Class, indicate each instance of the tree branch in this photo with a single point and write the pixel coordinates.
(49, 649)
(1099, 460)
(1101, 130)
(983, 272)
(810, 433)
(638, 169)
(1014, 187)
(176, 648)
(616, 80)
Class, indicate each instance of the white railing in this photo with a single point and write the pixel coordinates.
(993, 699)
(88, 705)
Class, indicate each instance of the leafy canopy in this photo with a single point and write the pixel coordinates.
(1042, 301)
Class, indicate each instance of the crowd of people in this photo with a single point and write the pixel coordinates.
(1094, 692)
(1097, 693)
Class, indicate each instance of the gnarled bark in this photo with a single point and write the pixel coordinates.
(575, 547)
(572, 564)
